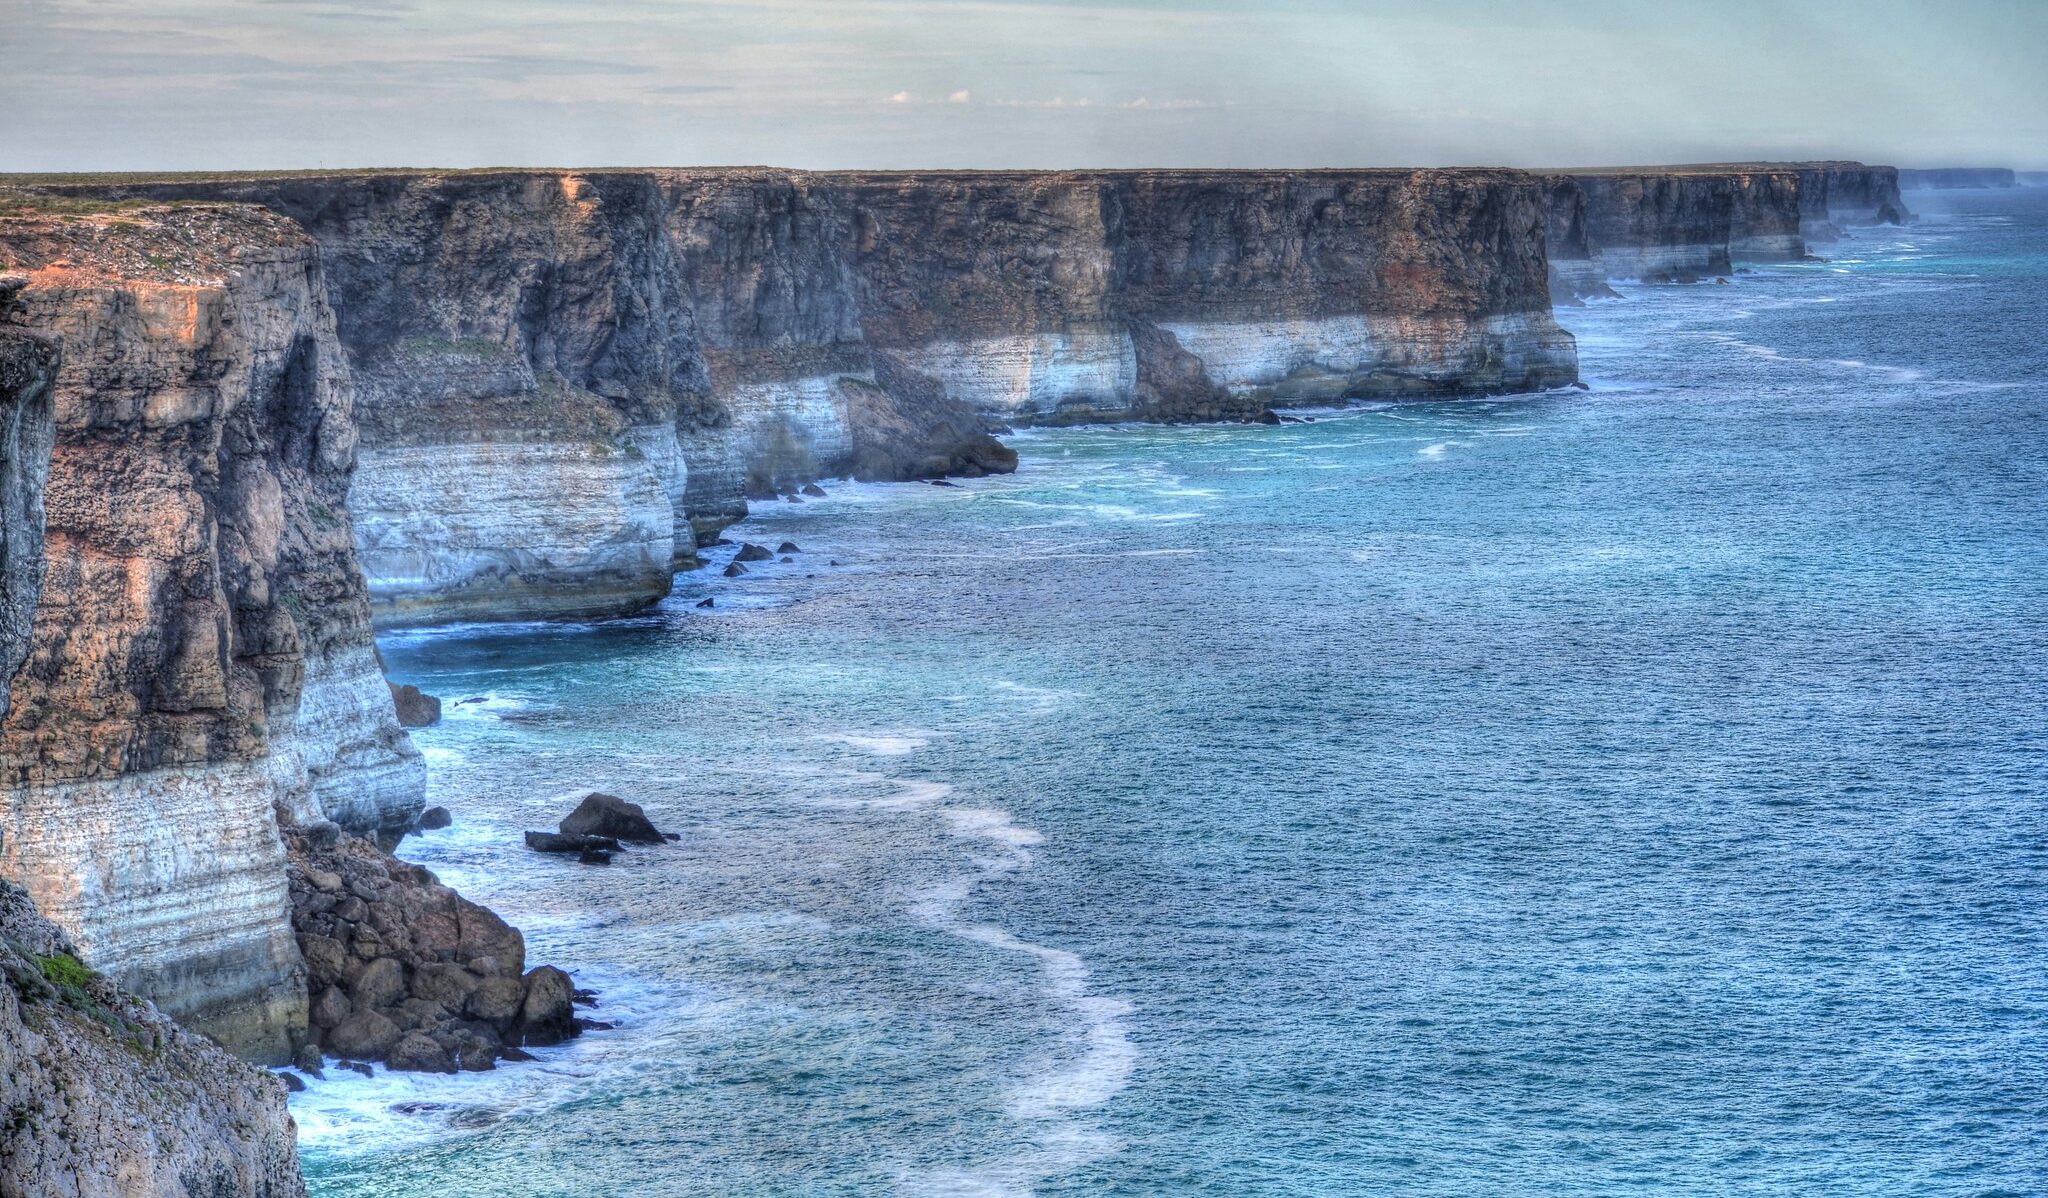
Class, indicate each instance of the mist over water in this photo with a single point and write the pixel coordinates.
(1639, 789)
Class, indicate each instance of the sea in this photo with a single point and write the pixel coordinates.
(1632, 790)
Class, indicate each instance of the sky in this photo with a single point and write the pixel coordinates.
(262, 84)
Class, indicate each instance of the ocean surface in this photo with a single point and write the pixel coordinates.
(1636, 790)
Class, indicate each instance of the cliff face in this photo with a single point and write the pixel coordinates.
(1834, 196)
(101, 1096)
(28, 367)
(1681, 223)
(521, 347)
(568, 380)
(201, 652)
(1030, 297)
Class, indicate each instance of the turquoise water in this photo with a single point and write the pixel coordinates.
(1637, 790)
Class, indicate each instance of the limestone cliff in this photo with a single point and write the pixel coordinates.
(28, 367)
(1681, 223)
(101, 1096)
(201, 652)
(568, 380)
(521, 347)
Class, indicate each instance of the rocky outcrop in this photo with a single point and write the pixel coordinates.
(1957, 177)
(404, 970)
(1684, 223)
(102, 1096)
(28, 368)
(201, 650)
(567, 380)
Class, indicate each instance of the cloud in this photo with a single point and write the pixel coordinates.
(902, 98)
(963, 96)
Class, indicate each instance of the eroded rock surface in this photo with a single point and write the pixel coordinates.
(102, 1096)
(201, 648)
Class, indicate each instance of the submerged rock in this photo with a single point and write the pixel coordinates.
(814, 490)
(555, 842)
(734, 569)
(433, 819)
(750, 552)
(603, 815)
(788, 547)
(707, 603)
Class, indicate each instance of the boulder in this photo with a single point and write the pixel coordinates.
(603, 815)
(419, 1015)
(291, 1081)
(419, 1053)
(307, 1061)
(363, 1034)
(416, 708)
(594, 857)
(788, 547)
(548, 1014)
(433, 819)
(707, 603)
(331, 1008)
(734, 569)
(556, 842)
(750, 552)
(381, 984)
(814, 490)
(496, 1001)
(444, 983)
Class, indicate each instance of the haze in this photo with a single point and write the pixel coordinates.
(205, 84)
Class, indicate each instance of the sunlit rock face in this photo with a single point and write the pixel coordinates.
(200, 655)
(1274, 287)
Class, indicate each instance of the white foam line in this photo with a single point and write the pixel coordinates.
(879, 744)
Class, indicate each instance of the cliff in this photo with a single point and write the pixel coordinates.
(201, 652)
(28, 367)
(568, 380)
(101, 1096)
(1954, 177)
(1682, 223)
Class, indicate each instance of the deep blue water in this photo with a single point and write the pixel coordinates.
(1633, 790)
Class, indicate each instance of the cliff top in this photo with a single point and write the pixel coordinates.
(184, 244)
(1714, 168)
